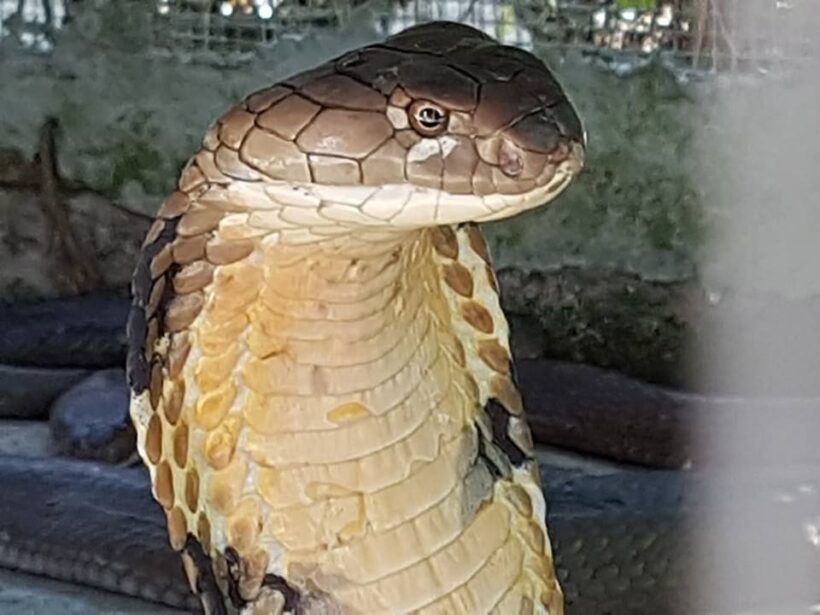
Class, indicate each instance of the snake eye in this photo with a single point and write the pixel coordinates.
(428, 118)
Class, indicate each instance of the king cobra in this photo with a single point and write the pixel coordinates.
(320, 371)
(322, 388)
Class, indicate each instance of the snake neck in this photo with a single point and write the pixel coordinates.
(349, 384)
(341, 416)
(354, 317)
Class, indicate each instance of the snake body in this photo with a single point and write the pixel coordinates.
(322, 386)
(625, 542)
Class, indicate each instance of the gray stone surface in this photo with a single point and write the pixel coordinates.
(32, 268)
(25, 438)
(23, 594)
(27, 392)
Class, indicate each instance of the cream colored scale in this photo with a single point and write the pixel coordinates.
(338, 427)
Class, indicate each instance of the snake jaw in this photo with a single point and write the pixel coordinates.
(284, 207)
(305, 212)
(287, 209)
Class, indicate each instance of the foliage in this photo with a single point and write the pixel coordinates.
(644, 5)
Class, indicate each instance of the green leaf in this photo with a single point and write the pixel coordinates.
(645, 5)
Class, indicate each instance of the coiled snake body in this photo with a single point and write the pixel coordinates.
(320, 370)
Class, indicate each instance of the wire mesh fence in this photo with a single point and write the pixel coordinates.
(699, 35)
(33, 23)
(239, 28)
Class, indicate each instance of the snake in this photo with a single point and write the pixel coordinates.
(321, 381)
(320, 374)
(625, 543)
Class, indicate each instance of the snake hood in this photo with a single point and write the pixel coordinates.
(438, 124)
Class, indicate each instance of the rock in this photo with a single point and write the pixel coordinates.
(527, 337)
(28, 392)
(85, 331)
(604, 413)
(31, 269)
(605, 318)
(91, 420)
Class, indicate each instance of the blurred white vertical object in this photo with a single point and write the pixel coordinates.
(759, 147)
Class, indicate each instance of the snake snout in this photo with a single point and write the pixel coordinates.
(548, 135)
(534, 157)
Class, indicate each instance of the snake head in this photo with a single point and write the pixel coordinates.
(498, 111)
(439, 124)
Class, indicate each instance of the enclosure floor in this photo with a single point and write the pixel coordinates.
(23, 593)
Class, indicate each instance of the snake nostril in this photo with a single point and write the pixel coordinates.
(509, 159)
